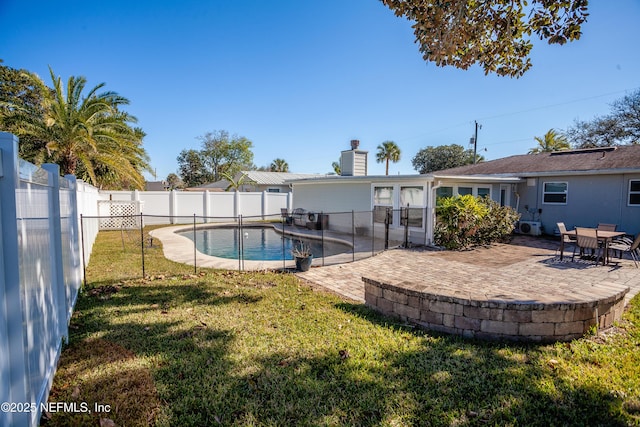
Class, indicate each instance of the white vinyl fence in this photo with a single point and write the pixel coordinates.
(179, 207)
(41, 274)
(42, 245)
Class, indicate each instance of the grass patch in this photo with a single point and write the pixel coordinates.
(230, 348)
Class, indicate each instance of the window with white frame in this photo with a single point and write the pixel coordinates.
(411, 196)
(484, 192)
(463, 191)
(382, 200)
(634, 192)
(555, 193)
(410, 199)
(444, 192)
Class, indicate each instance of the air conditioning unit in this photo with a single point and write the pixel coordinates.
(532, 228)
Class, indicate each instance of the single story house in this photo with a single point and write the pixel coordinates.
(349, 198)
(577, 187)
(258, 181)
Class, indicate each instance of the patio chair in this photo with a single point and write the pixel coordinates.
(607, 227)
(564, 238)
(587, 238)
(625, 244)
(286, 216)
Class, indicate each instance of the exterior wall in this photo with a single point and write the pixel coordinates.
(591, 199)
(337, 197)
(333, 197)
(344, 196)
(629, 215)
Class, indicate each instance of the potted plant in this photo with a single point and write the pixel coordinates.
(303, 256)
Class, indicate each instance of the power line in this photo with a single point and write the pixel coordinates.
(466, 123)
(558, 104)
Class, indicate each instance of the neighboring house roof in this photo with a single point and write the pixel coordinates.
(619, 159)
(274, 178)
(257, 178)
(212, 186)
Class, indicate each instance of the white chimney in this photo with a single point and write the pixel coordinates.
(353, 162)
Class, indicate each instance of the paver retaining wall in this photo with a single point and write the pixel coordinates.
(493, 319)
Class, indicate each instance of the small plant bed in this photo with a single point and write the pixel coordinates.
(229, 348)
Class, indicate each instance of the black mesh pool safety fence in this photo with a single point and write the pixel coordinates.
(244, 242)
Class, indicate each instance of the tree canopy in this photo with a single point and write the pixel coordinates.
(432, 159)
(18, 92)
(191, 168)
(86, 132)
(226, 153)
(495, 34)
(221, 155)
(621, 126)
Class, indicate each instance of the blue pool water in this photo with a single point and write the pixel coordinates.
(260, 244)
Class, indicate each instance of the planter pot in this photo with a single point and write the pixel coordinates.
(303, 263)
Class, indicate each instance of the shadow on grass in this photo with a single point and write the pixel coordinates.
(473, 382)
(279, 354)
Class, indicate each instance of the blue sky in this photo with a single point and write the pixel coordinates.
(301, 78)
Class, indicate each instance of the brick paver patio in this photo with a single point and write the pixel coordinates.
(527, 265)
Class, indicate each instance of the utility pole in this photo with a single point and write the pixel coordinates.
(475, 143)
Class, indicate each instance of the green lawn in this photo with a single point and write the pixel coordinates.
(230, 348)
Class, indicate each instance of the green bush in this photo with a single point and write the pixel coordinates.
(464, 221)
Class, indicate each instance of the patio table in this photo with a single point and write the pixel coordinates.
(604, 236)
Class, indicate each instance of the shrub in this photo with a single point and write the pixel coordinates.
(464, 221)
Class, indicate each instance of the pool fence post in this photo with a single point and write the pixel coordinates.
(353, 236)
(240, 237)
(322, 235)
(195, 250)
(284, 260)
(84, 262)
(373, 234)
(405, 216)
(142, 244)
(387, 220)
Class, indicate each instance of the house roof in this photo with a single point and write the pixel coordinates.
(619, 159)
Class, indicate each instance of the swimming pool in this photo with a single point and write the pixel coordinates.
(259, 243)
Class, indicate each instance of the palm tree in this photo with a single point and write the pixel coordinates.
(233, 184)
(279, 165)
(87, 135)
(336, 167)
(551, 141)
(388, 151)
